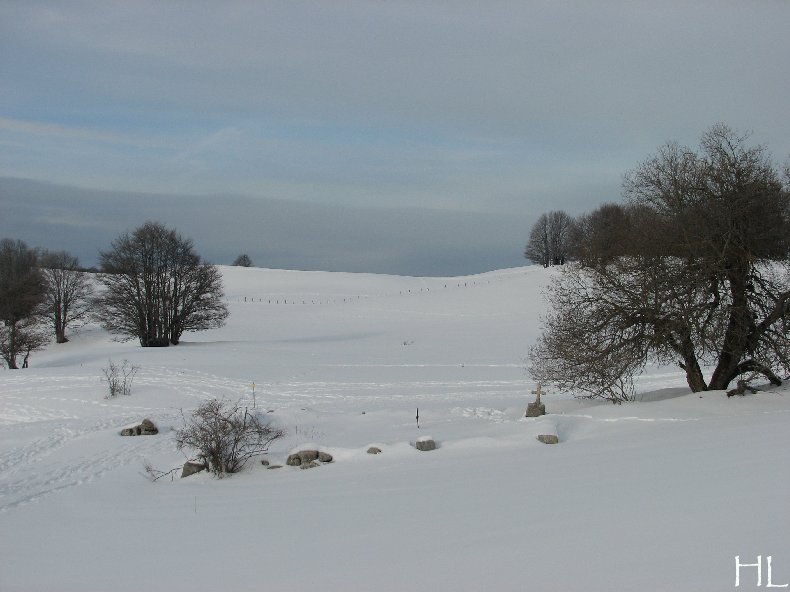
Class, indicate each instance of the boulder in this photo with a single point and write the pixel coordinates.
(548, 439)
(325, 457)
(374, 450)
(425, 444)
(192, 467)
(265, 462)
(308, 455)
(304, 456)
(145, 428)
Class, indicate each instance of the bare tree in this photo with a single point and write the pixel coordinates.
(549, 239)
(157, 287)
(698, 273)
(67, 293)
(243, 260)
(559, 226)
(225, 435)
(603, 234)
(21, 293)
(537, 249)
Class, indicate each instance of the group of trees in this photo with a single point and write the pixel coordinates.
(152, 287)
(693, 269)
(37, 290)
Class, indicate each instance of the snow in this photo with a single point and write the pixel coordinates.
(660, 494)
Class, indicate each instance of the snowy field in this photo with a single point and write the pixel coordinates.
(660, 494)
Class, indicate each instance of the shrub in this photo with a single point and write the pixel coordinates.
(225, 435)
(119, 378)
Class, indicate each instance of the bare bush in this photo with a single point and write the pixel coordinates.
(119, 378)
(225, 435)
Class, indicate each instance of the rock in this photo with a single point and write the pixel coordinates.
(309, 465)
(425, 444)
(307, 455)
(145, 428)
(303, 456)
(535, 410)
(274, 467)
(325, 457)
(265, 462)
(548, 439)
(374, 450)
(191, 467)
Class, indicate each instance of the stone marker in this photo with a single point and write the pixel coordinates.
(537, 408)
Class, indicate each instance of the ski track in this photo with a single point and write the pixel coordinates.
(51, 403)
(42, 403)
(71, 474)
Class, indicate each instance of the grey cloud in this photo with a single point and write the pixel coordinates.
(501, 107)
(275, 233)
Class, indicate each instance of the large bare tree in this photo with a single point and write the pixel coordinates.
(698, 273)
(549, 239)
(67, 291)
(157, 287)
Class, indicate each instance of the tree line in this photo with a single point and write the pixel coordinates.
(152, 286)
(692, 269)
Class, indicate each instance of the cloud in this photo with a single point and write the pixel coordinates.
(54, 130)
(501, 106)
(274, 233)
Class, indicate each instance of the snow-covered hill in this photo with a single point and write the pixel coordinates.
(661, 494)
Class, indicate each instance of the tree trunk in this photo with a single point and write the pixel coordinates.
(684, 346)
(60, 328)
(737, 333)
(695, 379)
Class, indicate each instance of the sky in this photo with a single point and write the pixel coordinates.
(383, 115)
